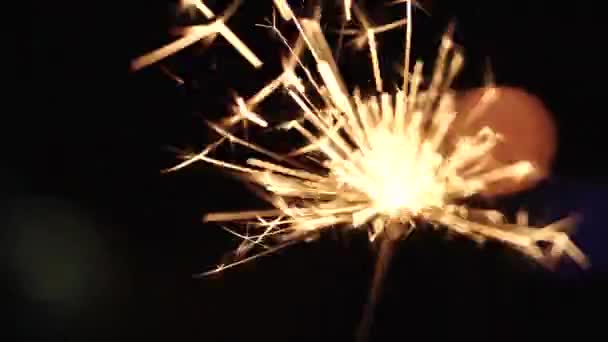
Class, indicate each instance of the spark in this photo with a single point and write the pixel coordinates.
(409, 3)
(171, 75)
(225, 31)
(284, 9)
(387, 160)
(382, 162)
(196, 33)
(408, 47)
(191, 35)
(248, 114)
(347, 9)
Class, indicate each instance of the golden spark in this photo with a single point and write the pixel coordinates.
(193, 34)
(382, 162)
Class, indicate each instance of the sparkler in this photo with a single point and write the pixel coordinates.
(382, 162)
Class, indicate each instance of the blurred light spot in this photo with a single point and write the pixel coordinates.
(56, 252)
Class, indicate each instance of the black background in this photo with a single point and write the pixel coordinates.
(98, 245)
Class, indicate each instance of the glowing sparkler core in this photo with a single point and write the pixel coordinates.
(386, 159)
(396, 187)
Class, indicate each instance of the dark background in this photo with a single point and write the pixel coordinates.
(98, 245)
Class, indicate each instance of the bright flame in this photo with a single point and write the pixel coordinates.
(382, 161)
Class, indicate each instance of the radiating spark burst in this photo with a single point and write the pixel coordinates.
(383, 162)
(386, 160)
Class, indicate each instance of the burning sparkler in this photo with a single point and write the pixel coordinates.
(383, 162)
